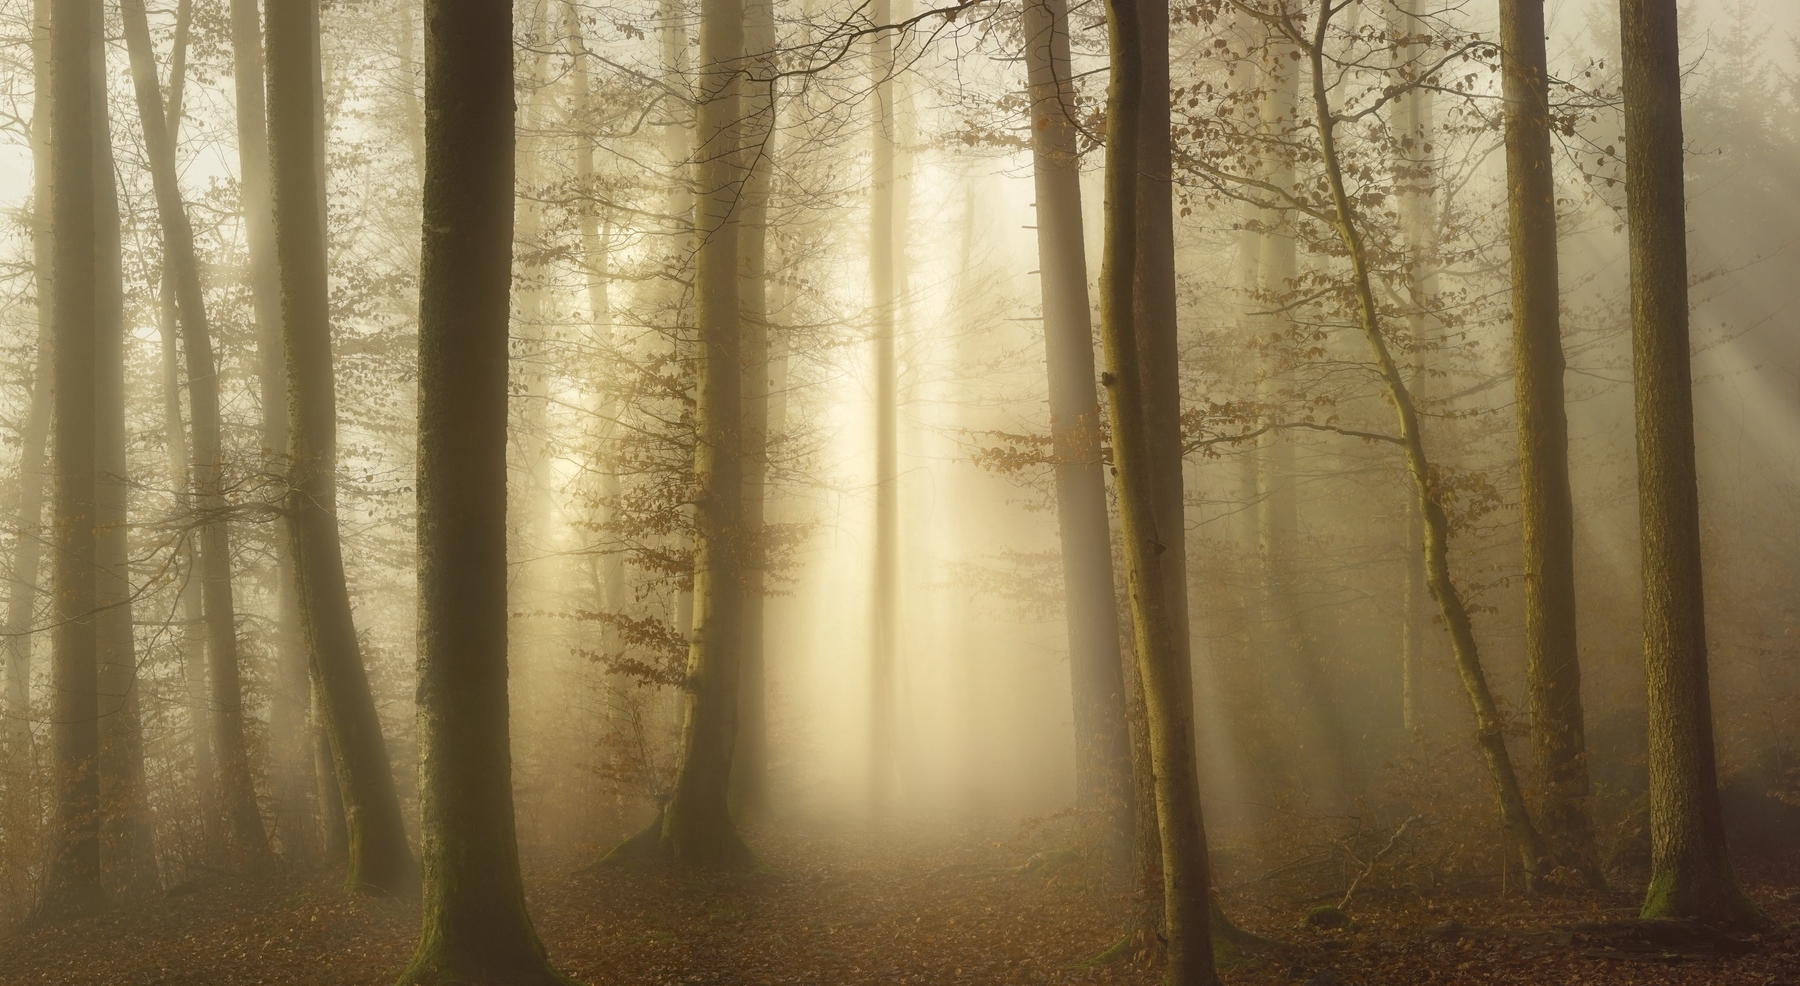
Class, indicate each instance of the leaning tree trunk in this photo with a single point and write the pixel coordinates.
(290, 752)
(1427, 497)
(1155, 597)
(1690, 872)
(21, 602)
(750, 759)
(72, 883)
(1552, 664)
(380, 860)
(127, 855)
(475, 928)
(249, 843)
(1103, 784)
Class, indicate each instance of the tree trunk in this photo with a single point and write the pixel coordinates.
(21, 603)
(1418, 211)
(1489, 726)
(749, 778)
(475, 927)
(697, 828)
(1155, 597)
(886, 584)
(1322, 738)
(1103, 785)
(1552, 664)
(127, 856)
(380, 860)
(72, 883)
(249, 843)
(1690, 872)
(291, 763)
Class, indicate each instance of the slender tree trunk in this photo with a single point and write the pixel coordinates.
(1418, 211)
(1155, 597)
(1103, 784)
(749, 779)
(380, 860)
(1690, 872)
(127, 856)
(475, 927)
(291, 762)
(697, 828)
(886, 583)
(72, 882)
(192, 646)
(1552, 664)
(21, 602)
(1489, 727)
(249, 842)
(1323, 740)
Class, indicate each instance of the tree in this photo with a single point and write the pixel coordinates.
(288, 700)
(749, 763)
(127, 855)
(1690, 872)
(886, 584)
(72, 883)
(379, 857)
(1552, 663)
(249, 844)
(21, 603)
(1103, 784)
(475, 927)
(1156, 632)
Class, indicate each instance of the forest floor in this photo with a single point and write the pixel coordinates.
(833, 911)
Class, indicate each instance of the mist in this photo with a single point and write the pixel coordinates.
(779, 491)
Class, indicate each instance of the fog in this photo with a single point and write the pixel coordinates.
(1330, 729)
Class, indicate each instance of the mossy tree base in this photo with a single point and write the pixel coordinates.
(1709, 895)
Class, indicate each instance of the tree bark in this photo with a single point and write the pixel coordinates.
(1436, 525)
(1103, 784)
(1546, 507)
(1690, 872)
(1155, 597)
(21, 603)
(380, 860)
(72, 884)
(475, 928)
(249, 846)
(883, 766)
(697, 828)
(749, 778)
(127, 855)
(291, 763)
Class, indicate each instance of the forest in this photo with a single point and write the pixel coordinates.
(865, 492)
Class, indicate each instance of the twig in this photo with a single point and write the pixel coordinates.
(1344, 905)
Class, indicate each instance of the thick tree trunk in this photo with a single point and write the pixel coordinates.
(749, 770)
(127, 856)
(72, 883)
(1690, 872)
(290, 760)
(885, 602)
(1436, 524)
(380, 860)
(1552, 664)
(475, 927)
(21, 602)
(249, 842)
(1103, 785)
(1155, 597)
